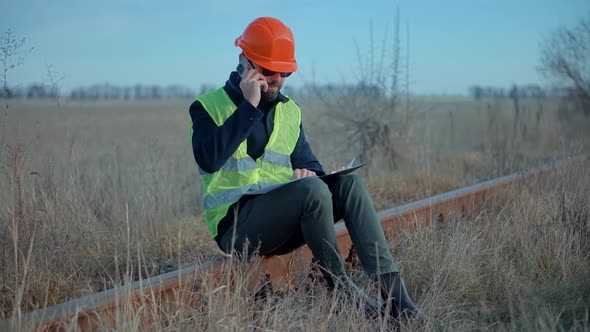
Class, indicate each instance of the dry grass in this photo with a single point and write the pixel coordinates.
(99, 194)
(521, 263)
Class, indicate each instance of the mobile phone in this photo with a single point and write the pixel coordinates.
(242, 66)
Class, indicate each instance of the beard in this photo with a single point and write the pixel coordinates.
(272, 93)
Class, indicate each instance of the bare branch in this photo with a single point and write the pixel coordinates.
(565, 56)
(370, 109)
(12, 55)
(55, 80)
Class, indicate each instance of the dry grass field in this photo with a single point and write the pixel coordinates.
(95, 194)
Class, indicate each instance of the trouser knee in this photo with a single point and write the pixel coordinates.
(353, 182)
(313, 190)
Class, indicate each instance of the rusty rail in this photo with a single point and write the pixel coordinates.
(170, 288)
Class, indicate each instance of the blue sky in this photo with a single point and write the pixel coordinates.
(453, 44)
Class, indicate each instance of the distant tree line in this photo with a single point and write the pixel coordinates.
(531, 91)
(361, 89)
(106, 91)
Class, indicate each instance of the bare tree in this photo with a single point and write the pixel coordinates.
(565, 55)
(374, 112)
(55, 80)
(514, 94)
(12, 55)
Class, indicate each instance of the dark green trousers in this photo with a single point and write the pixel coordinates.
(304, 212)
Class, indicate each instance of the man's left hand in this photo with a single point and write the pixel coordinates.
(299, 173)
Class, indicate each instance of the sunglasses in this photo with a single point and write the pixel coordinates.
(268, 72)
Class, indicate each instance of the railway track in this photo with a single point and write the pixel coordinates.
(178, 288)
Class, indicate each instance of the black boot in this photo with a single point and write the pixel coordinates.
(394, 290)
(344, 286)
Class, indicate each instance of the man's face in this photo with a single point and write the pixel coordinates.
(275, 84)
(274, 80)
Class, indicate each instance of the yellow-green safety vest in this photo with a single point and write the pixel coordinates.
(241, 173)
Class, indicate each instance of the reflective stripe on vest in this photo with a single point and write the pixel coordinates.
(235, 165)
(276, 158)
(241, 173)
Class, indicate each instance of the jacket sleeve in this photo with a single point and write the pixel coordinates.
(303, 157)
(213, 145)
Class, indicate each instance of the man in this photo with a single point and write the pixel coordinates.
(246, 136)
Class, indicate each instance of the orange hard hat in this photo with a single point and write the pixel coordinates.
(269, 43)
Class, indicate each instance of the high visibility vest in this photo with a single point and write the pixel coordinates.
(241, 173)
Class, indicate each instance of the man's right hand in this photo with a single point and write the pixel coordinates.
(299, 173)
(252, 84)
